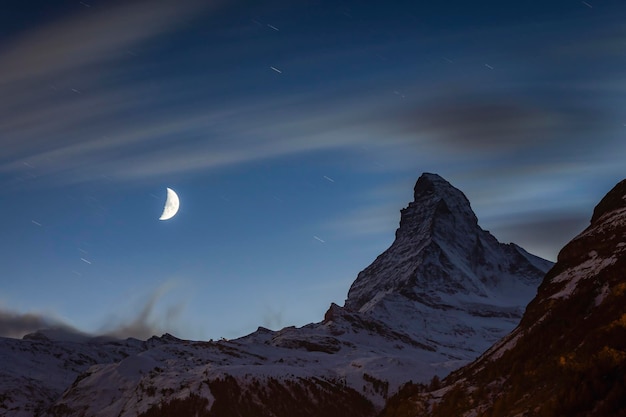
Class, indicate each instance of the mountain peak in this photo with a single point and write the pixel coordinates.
(428, 184)
(435, 203)
(442, 260)
(432, 187)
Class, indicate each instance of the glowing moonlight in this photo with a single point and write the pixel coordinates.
(171, 205)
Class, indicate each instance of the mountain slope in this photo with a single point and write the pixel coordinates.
(36, 370)
(446, 280)
(440, 295)
(567, 357)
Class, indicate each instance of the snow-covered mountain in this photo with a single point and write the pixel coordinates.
(35, 370)
(438, 297)
(567, 357)
(444, 280)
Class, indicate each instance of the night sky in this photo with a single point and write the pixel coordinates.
(293, 133)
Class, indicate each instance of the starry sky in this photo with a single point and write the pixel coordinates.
(293, 133)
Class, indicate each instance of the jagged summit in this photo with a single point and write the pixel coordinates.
(445, 281)
(433, 197)
(434, 187)
(440, 249)
(429, 184)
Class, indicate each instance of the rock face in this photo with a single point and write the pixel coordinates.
(567, 357)
(454, 284)
(438, 297)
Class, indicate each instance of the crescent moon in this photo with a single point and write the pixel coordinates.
(171, 205)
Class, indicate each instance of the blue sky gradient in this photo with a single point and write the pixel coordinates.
(293, 133)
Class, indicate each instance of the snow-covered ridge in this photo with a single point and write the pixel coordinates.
(571, 277)
(37, 369)
(438, 297)
(606, 235)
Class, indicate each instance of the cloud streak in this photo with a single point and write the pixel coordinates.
(117, 123)
(185, 140)
(16, 325)
(543, 233)
(89, 39)
(149, 321)
(492, 123)
(272, 318)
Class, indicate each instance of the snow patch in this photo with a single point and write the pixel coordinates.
(604, 292)
(573, 276)
(507, 343)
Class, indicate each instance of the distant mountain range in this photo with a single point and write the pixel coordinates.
(442, 294)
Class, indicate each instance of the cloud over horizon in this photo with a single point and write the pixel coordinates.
(16, 325)
(148, 321)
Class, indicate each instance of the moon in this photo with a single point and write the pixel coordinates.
(171, 205)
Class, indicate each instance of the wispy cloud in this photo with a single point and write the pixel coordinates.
(273, 318)
(543, 233)
(86, 40)
(69, 99)
(101, 142)
(491, 123)
(150, 320)
(365, 221)
(127, 126)
(16, 325)
(76, 106)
